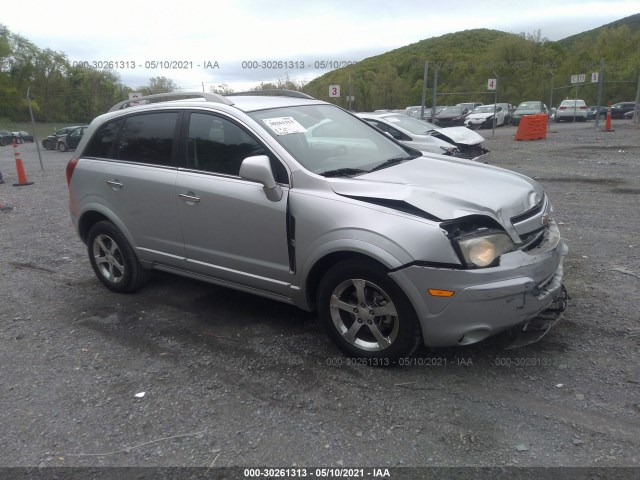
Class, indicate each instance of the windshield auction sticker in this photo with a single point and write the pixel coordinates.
(284, 125)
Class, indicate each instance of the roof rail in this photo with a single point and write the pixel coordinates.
(167, 97)
(278, 92)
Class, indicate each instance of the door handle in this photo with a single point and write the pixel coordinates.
(189, 197)
(115, 184)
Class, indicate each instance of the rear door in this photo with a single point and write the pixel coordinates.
(232, 231)
(132, 164)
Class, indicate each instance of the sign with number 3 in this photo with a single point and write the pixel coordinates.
(334, 90)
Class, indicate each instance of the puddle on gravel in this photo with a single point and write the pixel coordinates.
(626, 191)
(589, 180)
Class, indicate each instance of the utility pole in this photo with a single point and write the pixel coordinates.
(550, 101)
(600, 79)
(424, 88)
(33, 124)
(636, 114)
(435, 92)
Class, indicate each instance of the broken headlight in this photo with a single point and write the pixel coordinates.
(450, 150)
(483, 250)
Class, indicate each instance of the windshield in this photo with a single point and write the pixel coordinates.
(324, 138)
(484, 109)
(455, 110)
(529, 106)
(411, 125)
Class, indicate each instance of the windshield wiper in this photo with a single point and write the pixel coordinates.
(393, 161)
(343, 172)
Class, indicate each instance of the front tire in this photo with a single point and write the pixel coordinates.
(365, 313)
(113, 260)
(62, 147)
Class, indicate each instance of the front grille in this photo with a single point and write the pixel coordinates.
(533, 220)
(529, 213)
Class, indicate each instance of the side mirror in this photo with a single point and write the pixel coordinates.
(258, 169)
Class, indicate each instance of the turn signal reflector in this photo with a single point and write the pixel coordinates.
(441, 293)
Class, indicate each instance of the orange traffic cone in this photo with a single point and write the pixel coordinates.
(22, 177)
(607, 123)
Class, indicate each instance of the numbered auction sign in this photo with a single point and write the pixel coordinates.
(334, 90)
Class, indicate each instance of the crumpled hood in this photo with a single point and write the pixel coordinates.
(460, 135)
(448, 188)
(479, 116)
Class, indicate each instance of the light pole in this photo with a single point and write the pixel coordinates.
(550, 101)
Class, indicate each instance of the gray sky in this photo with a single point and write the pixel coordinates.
(195, 35)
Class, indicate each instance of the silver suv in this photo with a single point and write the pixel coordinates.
(297, 200)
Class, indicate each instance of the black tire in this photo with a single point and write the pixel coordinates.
(113, 260)
(47, 144)
(62, 147)
(391, 332)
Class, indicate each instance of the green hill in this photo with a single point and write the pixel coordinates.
(526, 65)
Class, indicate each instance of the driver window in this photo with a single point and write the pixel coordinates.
(218, 145)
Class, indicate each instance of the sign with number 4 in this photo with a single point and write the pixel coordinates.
(492, 83)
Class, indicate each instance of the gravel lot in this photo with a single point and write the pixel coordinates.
(235, 380)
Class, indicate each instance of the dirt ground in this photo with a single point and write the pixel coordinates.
(231, 379)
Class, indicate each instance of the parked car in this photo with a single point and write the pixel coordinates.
(591, 112)
(470, 143)
(410, 131)
(619, 109)
(71, 140)
(530, 107)
(390, 247)
(51, 142)
(469, 106)
(23, 136)
(7, 138)
(451, 116)
(571, 110)
(426, 137)
(414, 111)
(629, 114)
(486, 116)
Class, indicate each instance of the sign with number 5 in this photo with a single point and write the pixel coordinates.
(334, 90)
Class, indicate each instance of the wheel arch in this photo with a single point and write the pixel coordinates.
(93, 215)
(324, 263)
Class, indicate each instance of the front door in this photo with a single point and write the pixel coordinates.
(231, 230)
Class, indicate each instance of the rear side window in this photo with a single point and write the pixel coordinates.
(145, 138)
(148, 138)
(102, 142)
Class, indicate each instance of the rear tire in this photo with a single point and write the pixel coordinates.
(113, 260)
(62, 147)
(366, 314)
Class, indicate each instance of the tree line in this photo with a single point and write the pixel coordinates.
(527, 67)
(59, 90)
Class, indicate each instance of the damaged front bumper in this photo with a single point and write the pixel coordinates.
(536, 328)
(525, 291)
